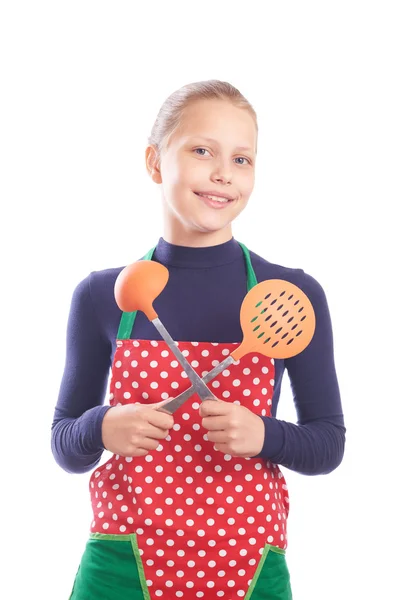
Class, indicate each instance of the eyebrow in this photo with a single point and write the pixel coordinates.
(244, 148)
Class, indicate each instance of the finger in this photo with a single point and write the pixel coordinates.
(156, 433)
(215, 423)
(149, 444)
(210, 407)
(224, 448)
(160, 419)
(136, 452)
(217, 437)
(156, 405)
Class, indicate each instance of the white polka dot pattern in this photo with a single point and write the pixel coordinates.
(202, 518)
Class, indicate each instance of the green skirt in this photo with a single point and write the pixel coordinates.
(111, 569)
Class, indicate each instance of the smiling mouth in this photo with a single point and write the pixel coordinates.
(214, 198)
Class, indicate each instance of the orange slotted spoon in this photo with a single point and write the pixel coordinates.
(277, 320)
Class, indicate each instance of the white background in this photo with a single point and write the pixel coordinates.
(82, 83)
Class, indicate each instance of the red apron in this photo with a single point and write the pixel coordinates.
(202, 519)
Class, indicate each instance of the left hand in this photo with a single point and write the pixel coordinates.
(234, 429)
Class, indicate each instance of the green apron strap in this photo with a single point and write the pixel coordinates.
(251, 277)
(128, 318)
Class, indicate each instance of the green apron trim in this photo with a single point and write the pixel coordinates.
(277, 550)
(251, 277)
(272, 579)
(128, 318)
(111, 537)
(257, 573)
(140, 568)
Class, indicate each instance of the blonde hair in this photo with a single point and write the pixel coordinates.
(172, 109)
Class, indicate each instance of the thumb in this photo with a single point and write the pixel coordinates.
(156, 405)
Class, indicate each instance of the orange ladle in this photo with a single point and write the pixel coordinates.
(138, 285)
(136, 288)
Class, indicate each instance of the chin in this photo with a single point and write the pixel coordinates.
(206, 227)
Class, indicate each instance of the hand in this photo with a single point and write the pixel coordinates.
(234, 429)
(135, 429)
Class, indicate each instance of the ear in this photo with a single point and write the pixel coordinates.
(152, 164)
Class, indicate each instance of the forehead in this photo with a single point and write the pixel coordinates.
(217, 121)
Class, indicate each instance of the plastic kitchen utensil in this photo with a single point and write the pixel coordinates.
(277, 320)
(136, 288)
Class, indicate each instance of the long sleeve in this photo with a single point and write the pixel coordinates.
(76, 440)
(315, 445)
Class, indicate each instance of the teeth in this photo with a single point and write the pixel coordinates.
(215, 198)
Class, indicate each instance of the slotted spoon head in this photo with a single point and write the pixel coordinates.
(138, 285)
(277, 320)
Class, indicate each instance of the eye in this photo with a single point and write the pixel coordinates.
(204, 149)
(201, 152)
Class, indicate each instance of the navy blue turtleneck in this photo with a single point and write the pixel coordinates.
(201, 302)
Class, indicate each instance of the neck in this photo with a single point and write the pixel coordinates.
(175, 233)
(197, 257)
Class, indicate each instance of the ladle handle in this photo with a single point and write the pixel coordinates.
(199, 386)
(173, 405)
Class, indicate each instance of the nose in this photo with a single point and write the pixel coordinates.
(222, 173)
(222, 179)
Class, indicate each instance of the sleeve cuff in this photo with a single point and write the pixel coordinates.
(95, 442)
(274, 439)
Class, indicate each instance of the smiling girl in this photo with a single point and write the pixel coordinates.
(193, 505)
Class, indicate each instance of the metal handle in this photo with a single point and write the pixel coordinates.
(199, 386)
(173, 405)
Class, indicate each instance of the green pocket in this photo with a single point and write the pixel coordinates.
(110, 569)
(272, 579)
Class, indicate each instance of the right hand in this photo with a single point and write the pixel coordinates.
(135, 429)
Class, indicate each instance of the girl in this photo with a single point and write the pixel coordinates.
(193, 505)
